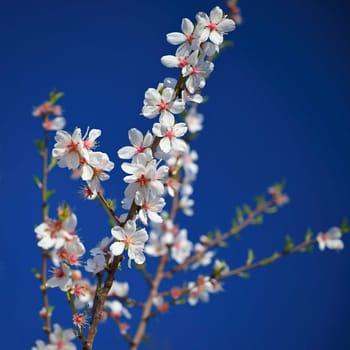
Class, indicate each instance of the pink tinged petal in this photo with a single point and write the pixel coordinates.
(118, 233)
(180, 129)
(165, 145)
(94, 134)
(152, 97)
(170, 61)
(175, 38)
(216, 14)
(216, 37)
(177, 107)
(187, 26)
(126, 152)
(135, 137)
(117, 248)
(168, 94)
(226, 25)
(150, 111)
(58, 123)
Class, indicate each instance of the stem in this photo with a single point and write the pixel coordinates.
(109, 211)
(211, 243)
(148, 305)
(45, 253)
(74, 311)
(99, 301)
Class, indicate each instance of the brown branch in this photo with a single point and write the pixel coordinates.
(148, 305)
(109, 210)
(45, 254)
(217, 241)
(99, 301)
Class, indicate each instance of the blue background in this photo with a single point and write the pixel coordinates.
(278, 107)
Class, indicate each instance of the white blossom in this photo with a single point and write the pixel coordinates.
(331, 239)
(140, 144)
(61, 339)
(131, 239)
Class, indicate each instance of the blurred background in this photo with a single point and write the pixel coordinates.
(278, 108)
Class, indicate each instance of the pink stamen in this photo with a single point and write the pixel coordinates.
(140, 149)
(170, 134)
(183, 62)
(163, 106)
(212, 26)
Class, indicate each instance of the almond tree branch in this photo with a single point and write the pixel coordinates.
(45, 253)
(215, 242)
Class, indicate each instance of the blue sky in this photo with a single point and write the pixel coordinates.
(278, 108)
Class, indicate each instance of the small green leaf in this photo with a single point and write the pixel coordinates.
(308, 249)
(112, 204)
(55, 96)
(37, 182)
(308, 235)
(258, 220)
(49, 194)
(247, 210)
(260, 201)
(52, 164)
(244, 275)
(271, 210)
(270, 260)
(289, 244)
(344, 228)
(239, 215)
(250, 257)
(223, 244)
(39, 145)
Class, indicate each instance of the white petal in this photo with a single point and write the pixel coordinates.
(117, 248)
(175, 38)
(168, 95)
(226, 25)
(118, 233)
(216, 37)
(135, 137)
(165, 145)
(216, 14)
(187, 26)
(126, 152)
(150, 111)
(170, 61)
(152, 96)
(177, 107)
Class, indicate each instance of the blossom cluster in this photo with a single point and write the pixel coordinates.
(158, 163)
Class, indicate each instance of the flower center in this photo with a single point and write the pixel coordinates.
(212, 26)
(170, 134)
(163, 106)
(142, 180)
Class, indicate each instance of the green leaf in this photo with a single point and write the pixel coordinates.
(112, 204)
(247, 210)
(223, 244)
(258, 220)
(39, 145)
(289, 244)
(244, 275)
(344, 228)
(308, 235)
(308, 249)
(260, 200)
(239, 214)
(52, 164)
(271, 210)
(250, 257)
(49, 194)
(37, 182)
(55, 96)
(270, 260)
